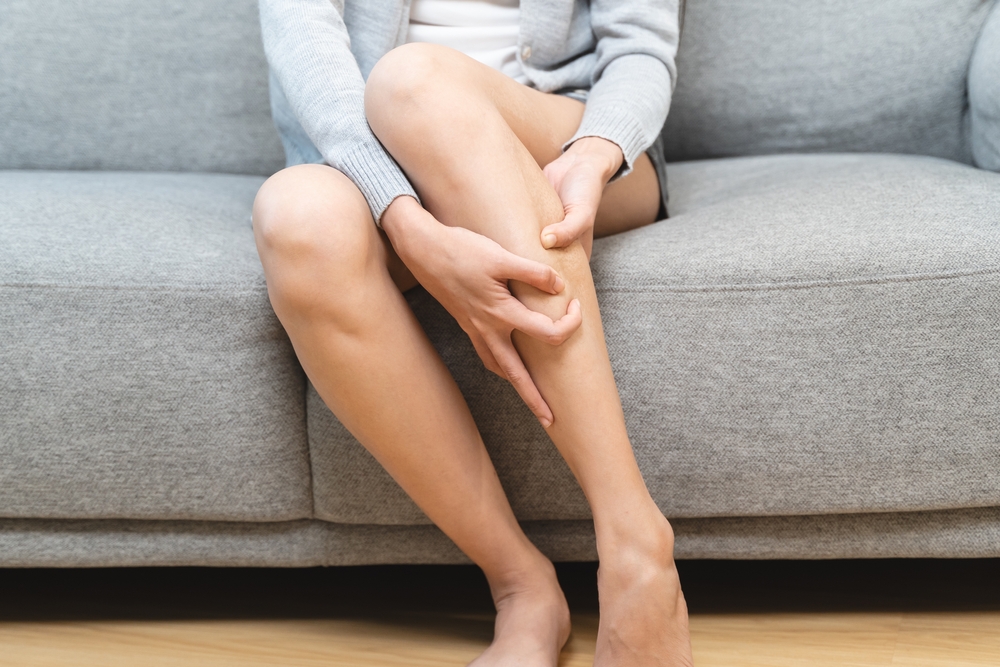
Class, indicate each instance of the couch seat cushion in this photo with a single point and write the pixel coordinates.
(143, 373)
(805, 335)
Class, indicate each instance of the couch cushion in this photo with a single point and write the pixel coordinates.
(984, 95)
(805, 335)
(142, 373)
(126, 84)
(772, 76)
(971, 533)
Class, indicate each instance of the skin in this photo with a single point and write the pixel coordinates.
(502, 240)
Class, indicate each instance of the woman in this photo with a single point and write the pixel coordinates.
(481, 172)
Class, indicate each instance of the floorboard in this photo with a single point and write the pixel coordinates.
(744, 614)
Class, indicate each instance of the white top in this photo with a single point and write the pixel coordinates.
(486, 30)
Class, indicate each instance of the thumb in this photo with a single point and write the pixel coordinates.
(563, 233)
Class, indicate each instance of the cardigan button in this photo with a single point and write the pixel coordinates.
(525, 52)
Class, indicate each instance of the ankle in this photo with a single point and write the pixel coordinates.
(537, 575)
(637, 536)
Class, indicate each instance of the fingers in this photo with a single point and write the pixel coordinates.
(515, 372)
(539, 326)
(536, 274)
(486, 355)
(561, 234)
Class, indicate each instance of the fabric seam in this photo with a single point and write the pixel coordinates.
(139, 288)
(805, 284)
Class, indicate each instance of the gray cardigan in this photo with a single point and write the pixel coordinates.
(321, 51)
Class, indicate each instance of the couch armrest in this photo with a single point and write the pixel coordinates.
(984, 94)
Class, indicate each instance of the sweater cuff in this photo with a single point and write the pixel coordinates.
(618, 128)
(627, 105)
(377, 175)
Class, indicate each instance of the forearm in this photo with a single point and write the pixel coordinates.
(308, 50)
(410, 229)
(628, 106)
(634, 73)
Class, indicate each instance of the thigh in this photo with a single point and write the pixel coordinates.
(544, 122)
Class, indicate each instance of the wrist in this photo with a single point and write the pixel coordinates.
(404, 221)
(606, 154)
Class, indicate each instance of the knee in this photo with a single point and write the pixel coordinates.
(407, 82)
(312, 223)
(311, 210)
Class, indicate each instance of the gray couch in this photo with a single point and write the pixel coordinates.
(808, 349)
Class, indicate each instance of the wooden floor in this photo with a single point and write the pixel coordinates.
(767, 614)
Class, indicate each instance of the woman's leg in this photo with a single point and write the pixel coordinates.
(472, 142)
(335, 285)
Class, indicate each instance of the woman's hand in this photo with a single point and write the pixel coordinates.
(468, 273)
(578, 177)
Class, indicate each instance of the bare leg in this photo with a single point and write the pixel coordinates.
(472, 141)
(330, 278)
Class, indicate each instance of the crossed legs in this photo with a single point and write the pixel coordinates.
(472, 142)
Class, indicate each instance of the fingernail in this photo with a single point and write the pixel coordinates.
(548, 240)
(545, 422)
(559, 284)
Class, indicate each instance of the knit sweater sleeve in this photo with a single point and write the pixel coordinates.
(308, 50)
(634, 76)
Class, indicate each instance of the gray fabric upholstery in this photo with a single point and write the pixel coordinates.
(984, 95)
(806, 349)
(805, 335)
(760, 77)
(124, 84)
(50, 543)
(144, 373)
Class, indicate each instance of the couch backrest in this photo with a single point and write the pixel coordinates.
(984, 95)
(182, 84)
(771, 76)
(176, 85)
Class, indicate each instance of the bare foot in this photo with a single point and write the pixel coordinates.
(532, 622)
(644, 619)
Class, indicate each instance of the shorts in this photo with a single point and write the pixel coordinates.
(656, 156)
